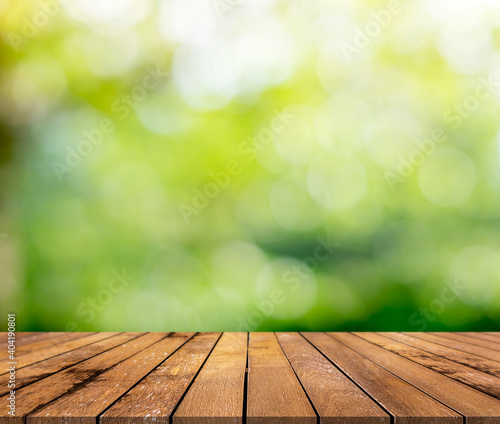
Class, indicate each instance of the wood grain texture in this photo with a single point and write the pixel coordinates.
(479, 407)
(22, 341)
(49, 352)
(31, 398)
(84, 404)
(19, 336)
(39, 370)
(217, 394)
(336, 399)
(254, 378)
(403, 401)
(469, 340)
(154, 399)
(482, 364)
(40, 341)
(496, 334)
(460, 346)
(482, 336)
(274, 392)
(481, 381)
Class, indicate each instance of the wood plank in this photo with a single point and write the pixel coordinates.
(36, 337)
(19, 335)
(31, 398)
(154, 399)
(469, 340)
(86, 403)
(482, 364)
(496, 334)
(53, 339)
(39, 370)
(26, 334)
(27, 341)
(274, 392)
(478, 407)
(216, 395)
(403, 401)
(39, 355)
(479, 380)
(180, 378)
(463, 347)
(483, 336)
(336, 399)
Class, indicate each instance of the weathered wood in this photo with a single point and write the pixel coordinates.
(256, 378)
(403, 401)
(482, 364)
(217, 394)
(154, 399)
(274, 392)
(482, 336)
(49, 352)
(38, 394)
(496, 334)
(19, 336)
(479, 407)
(18, 340)
(22, 341)
(39, 342)
(469, 340)
(461, 346)
(477, 379)
(83, 405)
(335, 397)
(39, 370)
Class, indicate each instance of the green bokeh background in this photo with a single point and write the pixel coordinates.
(412, 225)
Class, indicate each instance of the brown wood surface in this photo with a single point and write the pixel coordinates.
(84, 404)
(36, 395)
(22, 340)
(19, 336)
(480, 408)
(39, 370)
(49, 352)
(460, 346)
(403, 401)
(482, 336)
(253, 378)
(154, 399)
(274, 392)
(39, 341)
(482, 364)
(469, 340)
(336, 399)
(477, 379)
(217, 394)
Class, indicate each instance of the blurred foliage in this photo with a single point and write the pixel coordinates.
(250, 165)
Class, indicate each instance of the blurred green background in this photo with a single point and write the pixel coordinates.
(250, 165)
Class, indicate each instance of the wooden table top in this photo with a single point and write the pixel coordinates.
(341, 378)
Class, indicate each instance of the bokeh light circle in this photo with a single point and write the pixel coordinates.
(337, 182)
(447, 177)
